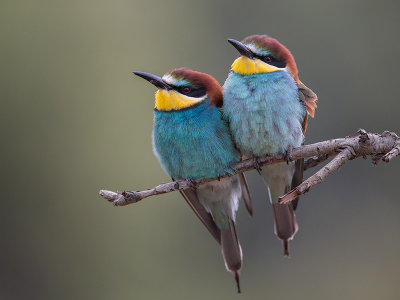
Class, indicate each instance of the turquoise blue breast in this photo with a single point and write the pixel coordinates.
(264, 112)
(194, 143)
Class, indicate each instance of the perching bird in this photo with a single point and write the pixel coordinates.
(267, 107)
(192, 142)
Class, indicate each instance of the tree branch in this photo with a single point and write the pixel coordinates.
(314, 161)
(383, 146)
(320, 176)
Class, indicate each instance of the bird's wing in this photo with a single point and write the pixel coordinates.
(297, 179)
(309, 98)
(205, 217)
(245, 193)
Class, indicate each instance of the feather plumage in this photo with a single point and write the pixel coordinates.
(267, 109)
(195, 143)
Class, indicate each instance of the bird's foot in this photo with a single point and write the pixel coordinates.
(191, 183)
(257, 164)
(287, 155)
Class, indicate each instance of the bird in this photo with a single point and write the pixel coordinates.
(193, 142)
(267, 108)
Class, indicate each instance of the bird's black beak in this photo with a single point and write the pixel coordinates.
(153, 79)
(243, 50)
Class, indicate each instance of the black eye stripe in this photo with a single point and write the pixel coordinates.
(192, 92)
(271, 60)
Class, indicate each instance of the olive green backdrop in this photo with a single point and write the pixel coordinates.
(75, 120)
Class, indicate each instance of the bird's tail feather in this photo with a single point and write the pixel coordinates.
(231, 251)
(285, 225)
(279, 178)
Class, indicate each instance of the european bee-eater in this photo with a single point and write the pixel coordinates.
(192, 142)
(267, 107)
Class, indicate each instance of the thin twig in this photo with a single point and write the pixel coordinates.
(385, 146)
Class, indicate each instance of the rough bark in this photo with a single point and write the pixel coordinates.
(383, 147)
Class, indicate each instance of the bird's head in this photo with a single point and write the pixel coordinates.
(262, 54)
(182, 88)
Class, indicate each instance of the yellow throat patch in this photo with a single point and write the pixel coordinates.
(172, 100)
(246, 66)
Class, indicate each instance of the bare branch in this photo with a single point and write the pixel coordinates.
(314, 161)
(320, 176)
(368, 144)
(396, 149)
(385, 146)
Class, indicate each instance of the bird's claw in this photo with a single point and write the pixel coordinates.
(287, 155)
(191, 183)
(257, 165)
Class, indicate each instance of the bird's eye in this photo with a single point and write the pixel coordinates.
(267, 59)
(186, 90)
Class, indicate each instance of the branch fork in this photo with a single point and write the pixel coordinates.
(385, 147)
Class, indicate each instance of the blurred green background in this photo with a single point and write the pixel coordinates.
(75, 120)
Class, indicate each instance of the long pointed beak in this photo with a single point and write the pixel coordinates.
(243, 50)
(153, 79)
